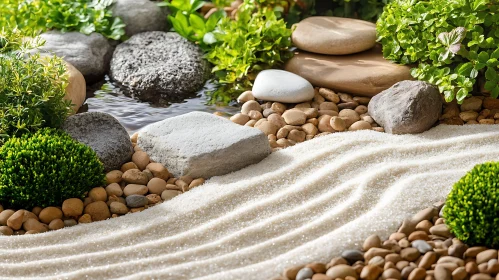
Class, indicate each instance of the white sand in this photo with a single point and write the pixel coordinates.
(303, 204)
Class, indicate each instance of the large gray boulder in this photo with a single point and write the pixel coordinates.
(203, 145)
(140, 16)
(104, 134)
(407, 107)
(156, 65)
(90, 54)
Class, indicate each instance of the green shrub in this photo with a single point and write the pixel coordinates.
(85, 16)
(45, 169)
(454, 43)
(32, 88)
(254, 41)
(472, 207)
(368, 10)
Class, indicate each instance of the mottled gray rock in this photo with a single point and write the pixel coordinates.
(407, 107)
(136, 200)
(140, 16)
(203, 145)
(304, 273)
(90, 54)
(156, 65)
(104, 134)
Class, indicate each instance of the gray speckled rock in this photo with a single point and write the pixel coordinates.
(104, 134)
(407, 107)
(140, 16)
(155, 65)
(203, 145)
(90, 54)
(136, 200)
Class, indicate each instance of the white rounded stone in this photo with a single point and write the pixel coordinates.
(282, 86)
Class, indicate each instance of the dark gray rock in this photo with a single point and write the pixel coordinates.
(136, 200)
(156, 65)
(352, 256)
(140, 16)
(407, 107)
(104, 134)
(90, 54)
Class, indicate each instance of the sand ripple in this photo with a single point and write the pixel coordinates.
(303, 204)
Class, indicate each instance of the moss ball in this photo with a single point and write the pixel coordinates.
(472, 207)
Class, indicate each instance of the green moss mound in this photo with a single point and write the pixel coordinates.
(45, 168)
(472, 207)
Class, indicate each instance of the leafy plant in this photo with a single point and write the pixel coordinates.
(292, 11)
(85, 16)
(454, 43)
(253, 42)
(32, 88)
(46, 168)
(472, 206)
(368, 10)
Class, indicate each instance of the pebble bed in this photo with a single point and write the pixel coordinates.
(423, 248)
(474, 110)
(288, 124)
(139, 185)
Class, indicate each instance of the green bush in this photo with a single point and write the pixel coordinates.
(368, 10)
(46, 168)
(472, 207)
(85, 16)
(454, 43)
(32, 88)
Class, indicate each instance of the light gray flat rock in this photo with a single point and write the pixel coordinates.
(203, 145)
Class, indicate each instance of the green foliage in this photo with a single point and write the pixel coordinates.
(292, 11)
(472, 207)
(368, 10)
(253, 42)
(85, 16)
(32, 88)
(46, 168)
(454, 43)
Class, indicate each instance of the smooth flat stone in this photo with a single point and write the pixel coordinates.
(334, 35)
(282, 86)
(364, 74)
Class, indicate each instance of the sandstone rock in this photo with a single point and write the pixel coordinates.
(141, 159)
(98, 211)
(132, 189)
(203, 145)
(365, 74)
(104, 134)
(135, 176)
(72, 207)
(15, 221)
(158, 170)
(76, 91)
(407, 107)
(153, 65)
(49, 214)
(114, 189)
(334, 35)
(282, 86)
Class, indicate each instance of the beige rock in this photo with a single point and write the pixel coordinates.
(391, 273)
(309, 112)
(33, 224)
(330, 106)
(485, 256)
(196, 182)
(345, 97)
(141, 159)
(98, 211)
(156, 186)
(277, 120)
(361, 109)
(114, 189)
(341, 271)
(76, 91)
(113, 176)
(334, 35)
(49, 214)
(266, 127)
(371, 272)
(250, 123)
(249, 106)
(329, 95)
(362, 100)
(376, 252)
(182, 185)
(468, 116)
(118, 208)
(56, 224)
(459, 274)
(98, 194)
(373, 241)
(72, 207)
(486, 121)
(278, 107)
(135, 176)
(5, 230)
(135, 189)
(337, 123)
(297, 136)
(158, 170)
(294, 117)
(5, 215)
(310, 129)
(360, 125)
(169, 194)
(240, 118)
(349, 116)
(449, 259)
(255, 115)
(84, 219)
(128, 166)
(134, 137)
(471, 104)
(325, 124)
(365, 74)
(410, 254)
(417, 274)
(245, 97)
(16, 220)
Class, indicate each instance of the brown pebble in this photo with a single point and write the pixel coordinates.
(486, 255)
(428, 260)
(183, 185)
(98, 194)
(410, 254)
(56, 224)
(397, 236)
(36, 210)
(376, 252)
(474, 251)
(401, 264)
(320, 276)
(317, 267)
(156, 186)
(450, 259)
(372, 241)
(441, 273)
(391, 273)
(196, 183)
(471, 268)
(291, 272)
(417, 274)
(98, 210)
(158, 170)
(128, 166)
(481, 276)
(5, 215)
(341, 271)
(457, 250)
(5, 230)
(377, 260)
(394, 258)
(33, 224)
(406, 271)
(418, 235)
(49, 214)
(371, 272)
(16, 220)
(459, 274)
(114, 176)
(141, 159)
(85, 218)
(389, 265)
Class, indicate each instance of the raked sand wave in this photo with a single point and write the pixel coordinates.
(302, 204)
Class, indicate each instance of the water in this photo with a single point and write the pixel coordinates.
(134, 114)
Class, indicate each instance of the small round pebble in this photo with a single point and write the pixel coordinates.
(134, 201)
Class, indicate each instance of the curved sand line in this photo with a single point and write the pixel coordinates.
(302, 204)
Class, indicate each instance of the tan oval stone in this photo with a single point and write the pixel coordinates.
(56, 224)
(158, 170)
(98, 194)
(135, 176)
(297, 136)
(276, 120)
(98, 211)
(329, 95)
(266, 127)
(417, 274)
(331, 106)
(485, 256)
(245, 97)
(76, 90)
(5, 215)
(196, 182)
(360, 125)
(325, 124)
(294, 117)
(450, 259)
(156, 186)
(371, 272)
(33, 224)
(135, 189)
(240, 118)
(113, 176)
(49, 214)
(410, 254)
(5, 230)
(84, 219)
(128, 166)
(391, 273)
(72, 207)
(16, 220)
(114, 189)
(118, 208)
(141, 159)
(249, 106)
(341, 271)
(349, 116)
(169, 194)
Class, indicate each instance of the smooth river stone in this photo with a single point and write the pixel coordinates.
(282, 86)
(334, 35)
(363, 74)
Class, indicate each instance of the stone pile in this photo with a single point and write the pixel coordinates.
(423, 248)
(138, 185)
(341, 54)
(286, 124)
(474, 110)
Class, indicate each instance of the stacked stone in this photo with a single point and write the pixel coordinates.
(474, 110)
(286, 124)
(138, 185)
(423, 248)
